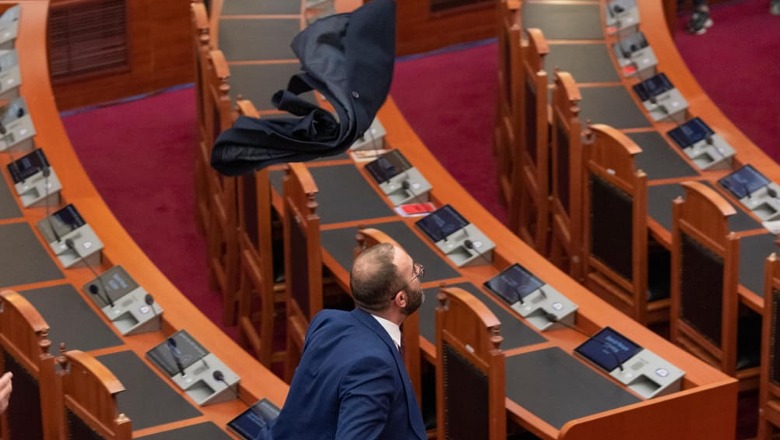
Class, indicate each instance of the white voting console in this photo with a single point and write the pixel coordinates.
(661, 99)
(622, 17)
(197, 372)
(704, 147)
(35, 181)
(9, 27)
(537, 302)
(459, 240)
(16, 126)
(755, 191)
(71, 239)
(127, 305)
(10, 78)
(635, 56)
(398, 179)
(639, 369)
(372, 139)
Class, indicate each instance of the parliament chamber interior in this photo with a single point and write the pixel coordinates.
(627, 289)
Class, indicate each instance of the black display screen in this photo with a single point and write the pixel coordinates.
(608, 349)
(115, 282)
(514, 283)
(387, 166)
(251, 422)
(442, 223)
(691, 132)
(652, 87)
(24, 168)
(182, 346)
(64, 221)
(744, 181)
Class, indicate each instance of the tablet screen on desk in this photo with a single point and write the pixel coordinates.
(630, 44)
(514, 283)
(28, 165)
(387, 166)
(249, 423)
(608, 349)
(744, 181)
(441, 223)
(115, 281)
(69, 217)
(184, 347)
(691, 132)
(652, 87)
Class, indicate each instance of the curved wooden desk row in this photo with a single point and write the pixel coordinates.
(579, 44)
(62, 289)
(706, 405)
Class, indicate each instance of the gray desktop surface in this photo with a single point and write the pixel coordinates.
(340, 243)
(201, 431)
(564, 22)
(260, 7)
(557, 388)
(147, 400)
(753, 251)
(71, 319)
(659, 207)
(513, 330)
(252, 39)
(259, 82)
(23, 259)
(658, 160)
(344, 195)
(8, 206)
(588, 63)
(612, 106)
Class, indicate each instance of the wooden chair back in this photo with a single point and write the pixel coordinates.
(302, 259)
(529, 211)
(615, 264)
(705, 275)
(505, 137)
(85, 405)
(769, 394)
(221, 234)
(258, 293)
(201, 47)
(366, 238)
(470, 366)
(566, 201)
(24, 346)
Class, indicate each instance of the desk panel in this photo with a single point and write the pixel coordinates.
(258, 38)
(260, 7)
(589, 63)
(658, 160)
(259, 82)
(564, 22)
(147, 399)
(71, 319)
(753, 252)
(557, 387)
(22, 258)
(611, 105)
(8, 206)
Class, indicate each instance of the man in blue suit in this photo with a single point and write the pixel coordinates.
(351, 382)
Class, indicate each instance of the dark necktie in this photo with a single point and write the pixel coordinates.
(401, 348)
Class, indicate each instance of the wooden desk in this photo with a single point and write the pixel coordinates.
(256, 381)
(706, 406)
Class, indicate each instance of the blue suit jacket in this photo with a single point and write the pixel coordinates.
(351, 383)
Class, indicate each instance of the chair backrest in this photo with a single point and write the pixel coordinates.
(529, 210)
(24, 346)
(255, 239)
(506, 137)
(566, 205)
(302, 258)
(705, 276)
(201, 46)
(615, 221)
(770, 349)
(366, 238)
(84, 404)
(470, 366)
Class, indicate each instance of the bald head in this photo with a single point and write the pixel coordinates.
(374, 279)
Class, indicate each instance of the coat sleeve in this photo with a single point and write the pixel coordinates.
(366, 392)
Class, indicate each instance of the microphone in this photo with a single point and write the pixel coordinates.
(149, 300)
(408, 188)
(93, 289)
(175, 354)
(771, 191)
(220, 377)
(470, 245)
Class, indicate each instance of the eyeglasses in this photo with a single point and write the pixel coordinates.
(418, 271)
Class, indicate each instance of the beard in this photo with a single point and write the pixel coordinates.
(415, 299)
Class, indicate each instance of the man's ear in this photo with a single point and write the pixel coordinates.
(400, 299)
